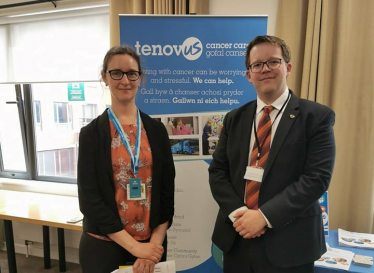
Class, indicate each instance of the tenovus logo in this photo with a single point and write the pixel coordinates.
(191, 49)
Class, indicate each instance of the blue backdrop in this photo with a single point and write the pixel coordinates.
(194, 68)
(192, 63)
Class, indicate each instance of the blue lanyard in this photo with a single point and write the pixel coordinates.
(117, 125)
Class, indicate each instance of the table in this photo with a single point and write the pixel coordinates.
(47, 210)
(332, 240)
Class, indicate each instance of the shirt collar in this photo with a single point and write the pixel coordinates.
(277, 104)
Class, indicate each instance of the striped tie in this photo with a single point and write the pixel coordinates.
(264, 137)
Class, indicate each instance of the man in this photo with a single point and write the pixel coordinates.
(269, 218)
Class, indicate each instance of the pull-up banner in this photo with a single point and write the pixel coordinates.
(194, 72)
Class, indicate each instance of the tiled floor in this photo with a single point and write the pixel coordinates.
(33, 264)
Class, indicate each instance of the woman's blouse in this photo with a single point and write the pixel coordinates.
(134, 214)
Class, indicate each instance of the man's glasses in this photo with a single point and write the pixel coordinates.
(118, 75)
(271, 64)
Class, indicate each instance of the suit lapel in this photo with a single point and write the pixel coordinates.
(288, 118)
(246, 129)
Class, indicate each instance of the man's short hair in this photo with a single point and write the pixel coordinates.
(286, 53)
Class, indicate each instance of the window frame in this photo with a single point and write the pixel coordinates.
(31, 134)
(19, 102)
(93, 109)
(25, 104)
(27, 113)
(69, 116)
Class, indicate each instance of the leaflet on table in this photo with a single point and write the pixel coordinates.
(363, 260)
(335, 258)
(163, 267)
(355, 239)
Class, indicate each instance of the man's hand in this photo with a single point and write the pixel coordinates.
(143, 266)
(249, 223)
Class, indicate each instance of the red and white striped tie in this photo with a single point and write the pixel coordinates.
(264, 138)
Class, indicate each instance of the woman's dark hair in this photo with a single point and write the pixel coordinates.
(176, 120)
(120, 50)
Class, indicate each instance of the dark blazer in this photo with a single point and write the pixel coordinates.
(297, 173)
(95, 176)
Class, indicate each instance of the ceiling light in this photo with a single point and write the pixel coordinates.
(57, 10)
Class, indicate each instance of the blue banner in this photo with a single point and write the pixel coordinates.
(192, 63)
(194, 72)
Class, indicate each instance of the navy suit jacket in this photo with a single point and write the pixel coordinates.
(297, 173)
(95, 176)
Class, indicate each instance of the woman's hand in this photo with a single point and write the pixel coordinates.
(143, 265)
(150, 251)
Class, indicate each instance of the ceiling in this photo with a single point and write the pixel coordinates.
(15, 7)
(18, 3)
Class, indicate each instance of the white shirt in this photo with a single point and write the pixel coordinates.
(277, 104)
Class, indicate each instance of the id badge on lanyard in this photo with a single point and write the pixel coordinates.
(254, 173)
(135, 189)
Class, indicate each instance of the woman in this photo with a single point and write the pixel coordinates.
(125, 177)
(180, 128)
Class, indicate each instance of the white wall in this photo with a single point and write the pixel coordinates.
(247, 7)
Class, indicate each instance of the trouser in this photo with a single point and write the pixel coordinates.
(249, 256)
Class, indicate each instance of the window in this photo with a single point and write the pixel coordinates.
(53, 50)
(89, 113)
(57, 162)
(62, 114)
(37, 118)
(39, 128)
(56, 150)
(52, 151)
(12, 146)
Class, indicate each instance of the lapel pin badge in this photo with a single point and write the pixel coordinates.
(292, 116)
